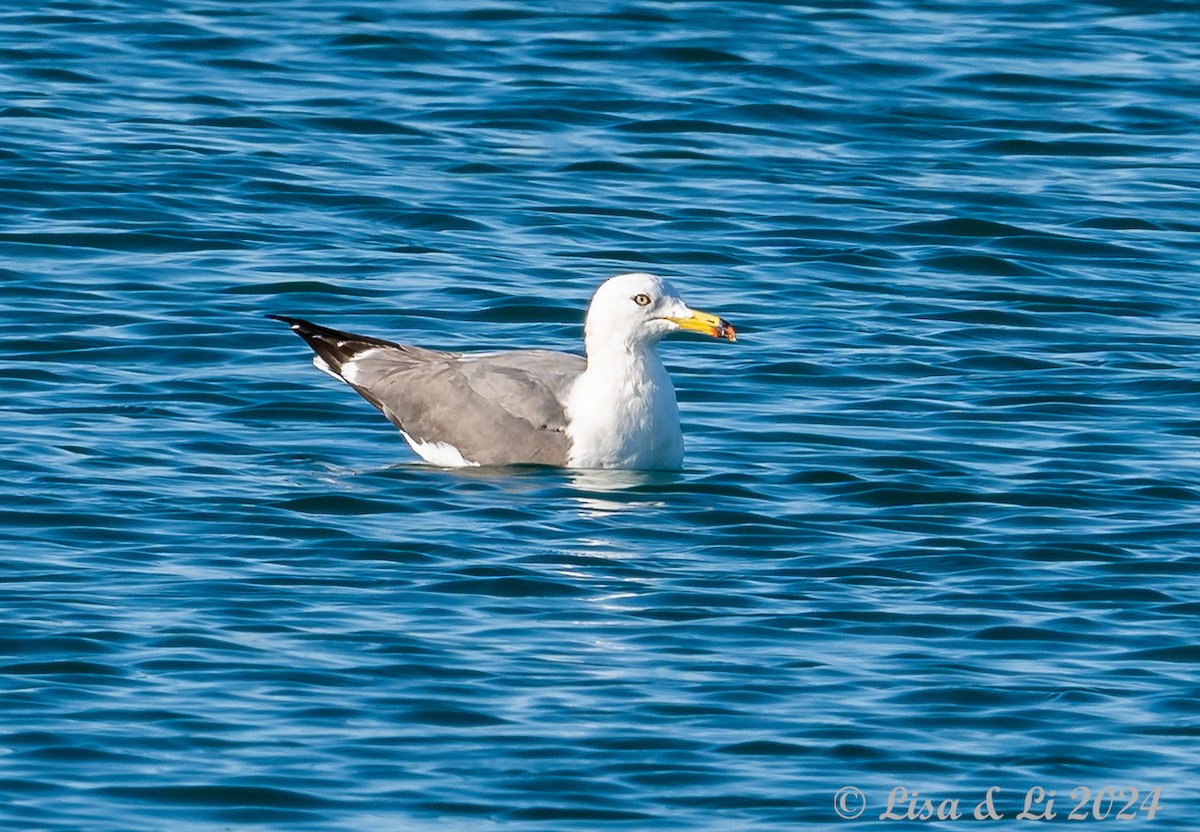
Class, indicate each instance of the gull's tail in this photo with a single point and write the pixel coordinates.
(333, 347)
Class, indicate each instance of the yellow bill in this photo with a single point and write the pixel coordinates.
(705, 323)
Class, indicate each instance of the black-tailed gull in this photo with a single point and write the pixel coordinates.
(616, 409)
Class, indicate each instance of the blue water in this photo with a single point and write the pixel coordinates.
(938, 526)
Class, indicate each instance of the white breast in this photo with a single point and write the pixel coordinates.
(624, 419)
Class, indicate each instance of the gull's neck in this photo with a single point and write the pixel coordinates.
(607, 353)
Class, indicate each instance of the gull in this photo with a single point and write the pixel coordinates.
(616, 408)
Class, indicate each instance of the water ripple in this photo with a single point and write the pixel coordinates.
(937, 524)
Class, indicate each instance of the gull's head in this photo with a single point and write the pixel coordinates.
(636, 310)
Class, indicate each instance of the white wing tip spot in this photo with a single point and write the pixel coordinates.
(351, 369)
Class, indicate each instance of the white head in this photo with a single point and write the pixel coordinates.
(634, 311)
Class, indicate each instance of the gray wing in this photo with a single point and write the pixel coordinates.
(495, 409)
(498, 409)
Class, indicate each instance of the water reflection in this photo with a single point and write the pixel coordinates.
(596, 491)
(603, 492)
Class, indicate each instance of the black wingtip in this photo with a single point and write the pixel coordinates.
(292, 322)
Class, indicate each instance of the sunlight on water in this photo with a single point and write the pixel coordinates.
(935, 534)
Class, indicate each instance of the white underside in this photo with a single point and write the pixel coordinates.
(320, 364)
(442, 454)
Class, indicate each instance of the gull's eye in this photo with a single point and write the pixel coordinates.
(642, 299)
